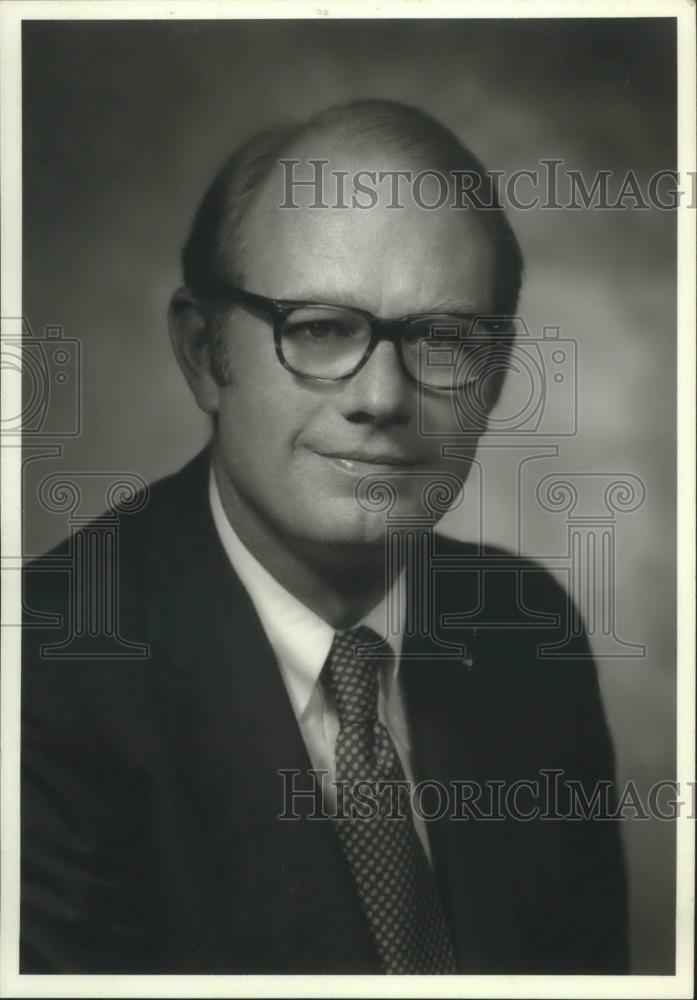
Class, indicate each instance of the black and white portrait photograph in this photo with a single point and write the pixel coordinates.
(348, 499)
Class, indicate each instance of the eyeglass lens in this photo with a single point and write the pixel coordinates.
(330, 342)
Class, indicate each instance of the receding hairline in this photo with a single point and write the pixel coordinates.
(219, 221)
(372, 125)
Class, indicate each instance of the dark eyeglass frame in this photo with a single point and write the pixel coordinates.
(278, 310)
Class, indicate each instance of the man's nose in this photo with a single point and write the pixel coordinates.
(381, 391)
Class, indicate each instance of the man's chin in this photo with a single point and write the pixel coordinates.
(346, 525)
(345, 533)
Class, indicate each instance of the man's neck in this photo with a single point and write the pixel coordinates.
(340, 583)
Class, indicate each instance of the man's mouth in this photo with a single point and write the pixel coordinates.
(365, 462)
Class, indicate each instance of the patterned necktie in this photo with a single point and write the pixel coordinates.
(395, 882)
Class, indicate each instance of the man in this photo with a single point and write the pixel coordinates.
(170, 803)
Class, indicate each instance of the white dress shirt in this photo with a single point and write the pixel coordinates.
(301, 641)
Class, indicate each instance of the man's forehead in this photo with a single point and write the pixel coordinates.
(329, 167)
(332, 234)
(422, 258)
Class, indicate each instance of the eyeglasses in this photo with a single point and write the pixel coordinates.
(330, 343)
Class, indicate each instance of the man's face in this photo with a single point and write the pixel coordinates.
(291, 452)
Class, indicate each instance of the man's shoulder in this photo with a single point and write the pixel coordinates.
(93, 587)
(86, 628)
(496, 576)
(132, 519)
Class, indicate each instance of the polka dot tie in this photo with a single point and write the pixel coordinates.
(395, 882)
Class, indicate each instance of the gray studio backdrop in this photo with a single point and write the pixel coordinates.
(124, 124)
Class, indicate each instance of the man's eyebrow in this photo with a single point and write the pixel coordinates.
(347, 299)
(455, 306)
(322, 298)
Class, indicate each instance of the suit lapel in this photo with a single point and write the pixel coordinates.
(229, 710)
(454, 740)
(234, 728)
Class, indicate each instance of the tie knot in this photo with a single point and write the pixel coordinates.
(352, 672)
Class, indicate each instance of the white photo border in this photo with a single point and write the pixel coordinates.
(12, 984)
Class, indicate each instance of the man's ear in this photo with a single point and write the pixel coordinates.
(190, 336)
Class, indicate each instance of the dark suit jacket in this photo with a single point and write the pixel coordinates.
(150, 785)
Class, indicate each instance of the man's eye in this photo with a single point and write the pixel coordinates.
(319, 329)
(436, 330)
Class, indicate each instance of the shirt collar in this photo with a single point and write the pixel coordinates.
(300, 639)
